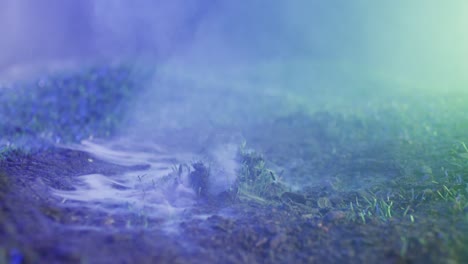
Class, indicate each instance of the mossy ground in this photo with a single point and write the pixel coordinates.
(385, 180)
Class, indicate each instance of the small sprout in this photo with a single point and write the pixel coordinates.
(406, 210)
(363, 217)
(464, 146)
(440, 194)
(272, 176)
(140, 177)
(448, 191)
(324, 202)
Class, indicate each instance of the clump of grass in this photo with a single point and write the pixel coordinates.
(370, 206)
(255, 181)
(455, 196)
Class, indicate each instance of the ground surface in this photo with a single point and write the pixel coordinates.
(383, 181)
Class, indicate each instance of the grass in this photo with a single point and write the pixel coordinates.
(371, 207)
(255, 181)
(399, 166)
(65, 107)
(406, 203)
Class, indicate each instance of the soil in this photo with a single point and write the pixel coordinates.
(318, 186)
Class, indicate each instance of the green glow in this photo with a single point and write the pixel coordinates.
(418, 44)
(398, 44)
